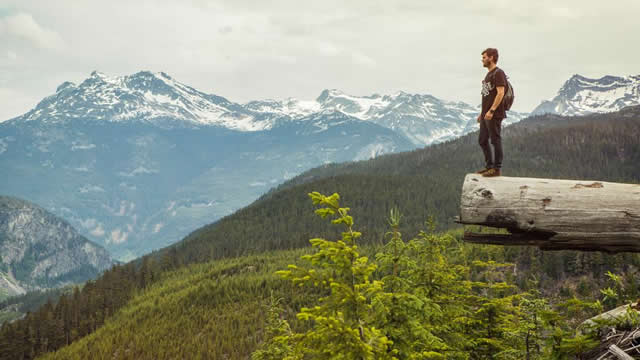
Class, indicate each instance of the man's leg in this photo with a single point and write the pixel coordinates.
(483, 140)
(495, 126)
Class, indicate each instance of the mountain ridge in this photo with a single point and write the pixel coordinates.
(157, 98)
(580, 95)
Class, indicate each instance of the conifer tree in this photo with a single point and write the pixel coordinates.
(277, 332)
(496, 314)
(343, 319)
(415, 311)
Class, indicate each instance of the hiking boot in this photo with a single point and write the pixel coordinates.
(491, 172)
(482, 171)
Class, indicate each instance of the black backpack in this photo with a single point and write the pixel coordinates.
(507, 100)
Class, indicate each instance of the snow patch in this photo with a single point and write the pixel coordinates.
(4, 143)
(137, 171)
(88, 223)
(117, 236)
(372, 150)
(77, 146)
(157, 227)
(127, 186)
(90, 188)
(98, 231)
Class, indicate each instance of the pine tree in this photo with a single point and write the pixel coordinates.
(533, 328)
(420, 316)
(342, 320)
(278, 333)
(496, 314)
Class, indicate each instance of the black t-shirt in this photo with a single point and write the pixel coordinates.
(494, 78)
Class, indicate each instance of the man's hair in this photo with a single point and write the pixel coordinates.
(491, 52)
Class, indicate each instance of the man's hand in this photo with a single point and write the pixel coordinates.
(479, 117)
(496, 102)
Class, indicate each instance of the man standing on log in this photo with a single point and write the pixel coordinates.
(492, 114)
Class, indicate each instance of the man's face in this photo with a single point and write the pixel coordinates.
(486, 60)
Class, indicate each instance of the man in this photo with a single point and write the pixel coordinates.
(492, 113)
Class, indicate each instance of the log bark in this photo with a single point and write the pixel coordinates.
(553, 214)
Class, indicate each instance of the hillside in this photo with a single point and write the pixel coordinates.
(218, 309)
(208, 311)
(39, 250)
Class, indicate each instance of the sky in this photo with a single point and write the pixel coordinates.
(250, 50)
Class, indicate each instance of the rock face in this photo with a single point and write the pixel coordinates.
(39, 250)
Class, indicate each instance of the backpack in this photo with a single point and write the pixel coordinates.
(509, 95)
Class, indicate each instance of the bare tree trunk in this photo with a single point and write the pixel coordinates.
(553, 214)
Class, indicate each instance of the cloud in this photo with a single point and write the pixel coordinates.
(24, 26)
(564, 12)
(14, 102)
(362, 59)
(328, 49)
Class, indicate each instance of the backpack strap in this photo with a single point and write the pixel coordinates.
(505, 75)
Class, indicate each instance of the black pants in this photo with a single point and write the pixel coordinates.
(490, 129)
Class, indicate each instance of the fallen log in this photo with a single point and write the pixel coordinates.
(611, 315)
(553, 214)
(619, 353)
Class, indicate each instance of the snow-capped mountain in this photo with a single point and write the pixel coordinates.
(290, 107)
(144, 96)
(423, 119)
(580, 95)
(156, 98)
(136, 162)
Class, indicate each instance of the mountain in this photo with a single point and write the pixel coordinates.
(422, 118)
(581, 95)
(143, 97)
(136, 162)
(39, 250)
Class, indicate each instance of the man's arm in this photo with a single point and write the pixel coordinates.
(501, 82)
(500, 94)
(498, 99)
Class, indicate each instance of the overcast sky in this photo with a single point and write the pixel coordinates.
(248, 50)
